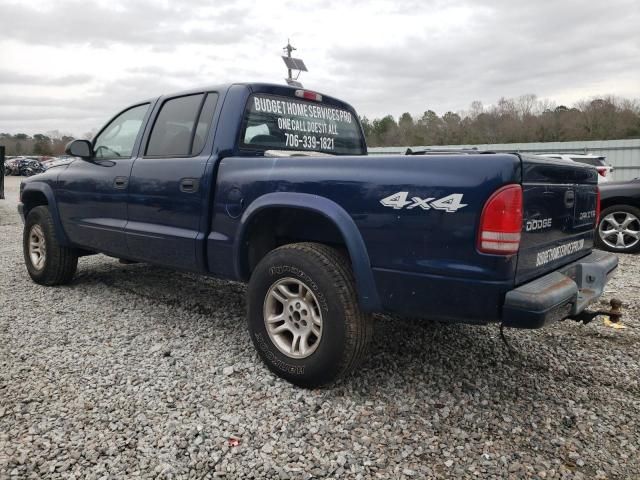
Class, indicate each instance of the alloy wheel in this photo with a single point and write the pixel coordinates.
(37, 247)
(620, 230)
(293, 318)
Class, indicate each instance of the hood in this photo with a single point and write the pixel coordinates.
(59, 163)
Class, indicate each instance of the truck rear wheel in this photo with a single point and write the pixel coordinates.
(303, 314)
(48, 263)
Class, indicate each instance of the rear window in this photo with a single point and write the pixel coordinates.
(595, 162)
(273, 122)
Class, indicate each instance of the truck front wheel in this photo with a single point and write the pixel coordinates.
(48, 263)
(303, 314)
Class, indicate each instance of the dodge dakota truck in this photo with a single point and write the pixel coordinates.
(272, 185)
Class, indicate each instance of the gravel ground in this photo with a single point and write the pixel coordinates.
(135, 371)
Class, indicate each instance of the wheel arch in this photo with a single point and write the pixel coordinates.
(321, 215)
(36, 194)
(613, 201)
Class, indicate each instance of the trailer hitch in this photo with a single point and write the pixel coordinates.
(615, 314)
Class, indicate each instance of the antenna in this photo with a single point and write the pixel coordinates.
(293, 64)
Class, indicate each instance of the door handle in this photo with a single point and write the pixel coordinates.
(189, 185)
(120, 182)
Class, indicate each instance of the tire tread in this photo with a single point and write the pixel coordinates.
(359, 324)
(61, 262)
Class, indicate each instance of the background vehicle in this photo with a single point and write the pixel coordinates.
(619, 227)
(2, 169)
(273, 185)
(23, 166)
(604, 169)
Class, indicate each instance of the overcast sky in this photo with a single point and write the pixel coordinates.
(70, 64)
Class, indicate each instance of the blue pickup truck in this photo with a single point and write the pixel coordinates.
(272, 185)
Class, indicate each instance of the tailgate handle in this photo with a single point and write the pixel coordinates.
(569, 198)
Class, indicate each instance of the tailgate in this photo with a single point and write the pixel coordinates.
(559, 214)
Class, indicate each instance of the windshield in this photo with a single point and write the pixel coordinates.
(283, 123)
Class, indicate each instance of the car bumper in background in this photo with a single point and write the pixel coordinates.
(559, 294)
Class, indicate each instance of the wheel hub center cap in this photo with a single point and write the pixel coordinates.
(298, 315)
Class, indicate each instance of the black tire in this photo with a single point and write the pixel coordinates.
(346, 331)
(59, 263)
(619, 212)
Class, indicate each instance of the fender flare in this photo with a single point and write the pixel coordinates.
(47, 191)
(365, 284)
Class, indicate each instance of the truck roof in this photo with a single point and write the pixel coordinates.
(260, 86)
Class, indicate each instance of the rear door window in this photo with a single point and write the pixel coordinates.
(204, 123)
(274, 122)
(175, 127)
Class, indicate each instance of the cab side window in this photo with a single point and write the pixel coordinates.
(181, 127)
(119, 137)
(204, 123)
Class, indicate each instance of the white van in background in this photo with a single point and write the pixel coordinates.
(604, 169)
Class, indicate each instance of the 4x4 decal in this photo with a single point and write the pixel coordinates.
(450, 203)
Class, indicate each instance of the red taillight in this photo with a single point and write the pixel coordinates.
(597, 206)
(308, 95)
(501, 222)
(602, 171)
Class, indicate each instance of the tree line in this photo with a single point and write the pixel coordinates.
(510, 120)
(40, 144)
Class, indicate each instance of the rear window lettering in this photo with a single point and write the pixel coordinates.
(282, 123)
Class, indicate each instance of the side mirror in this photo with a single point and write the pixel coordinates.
(79, 148)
